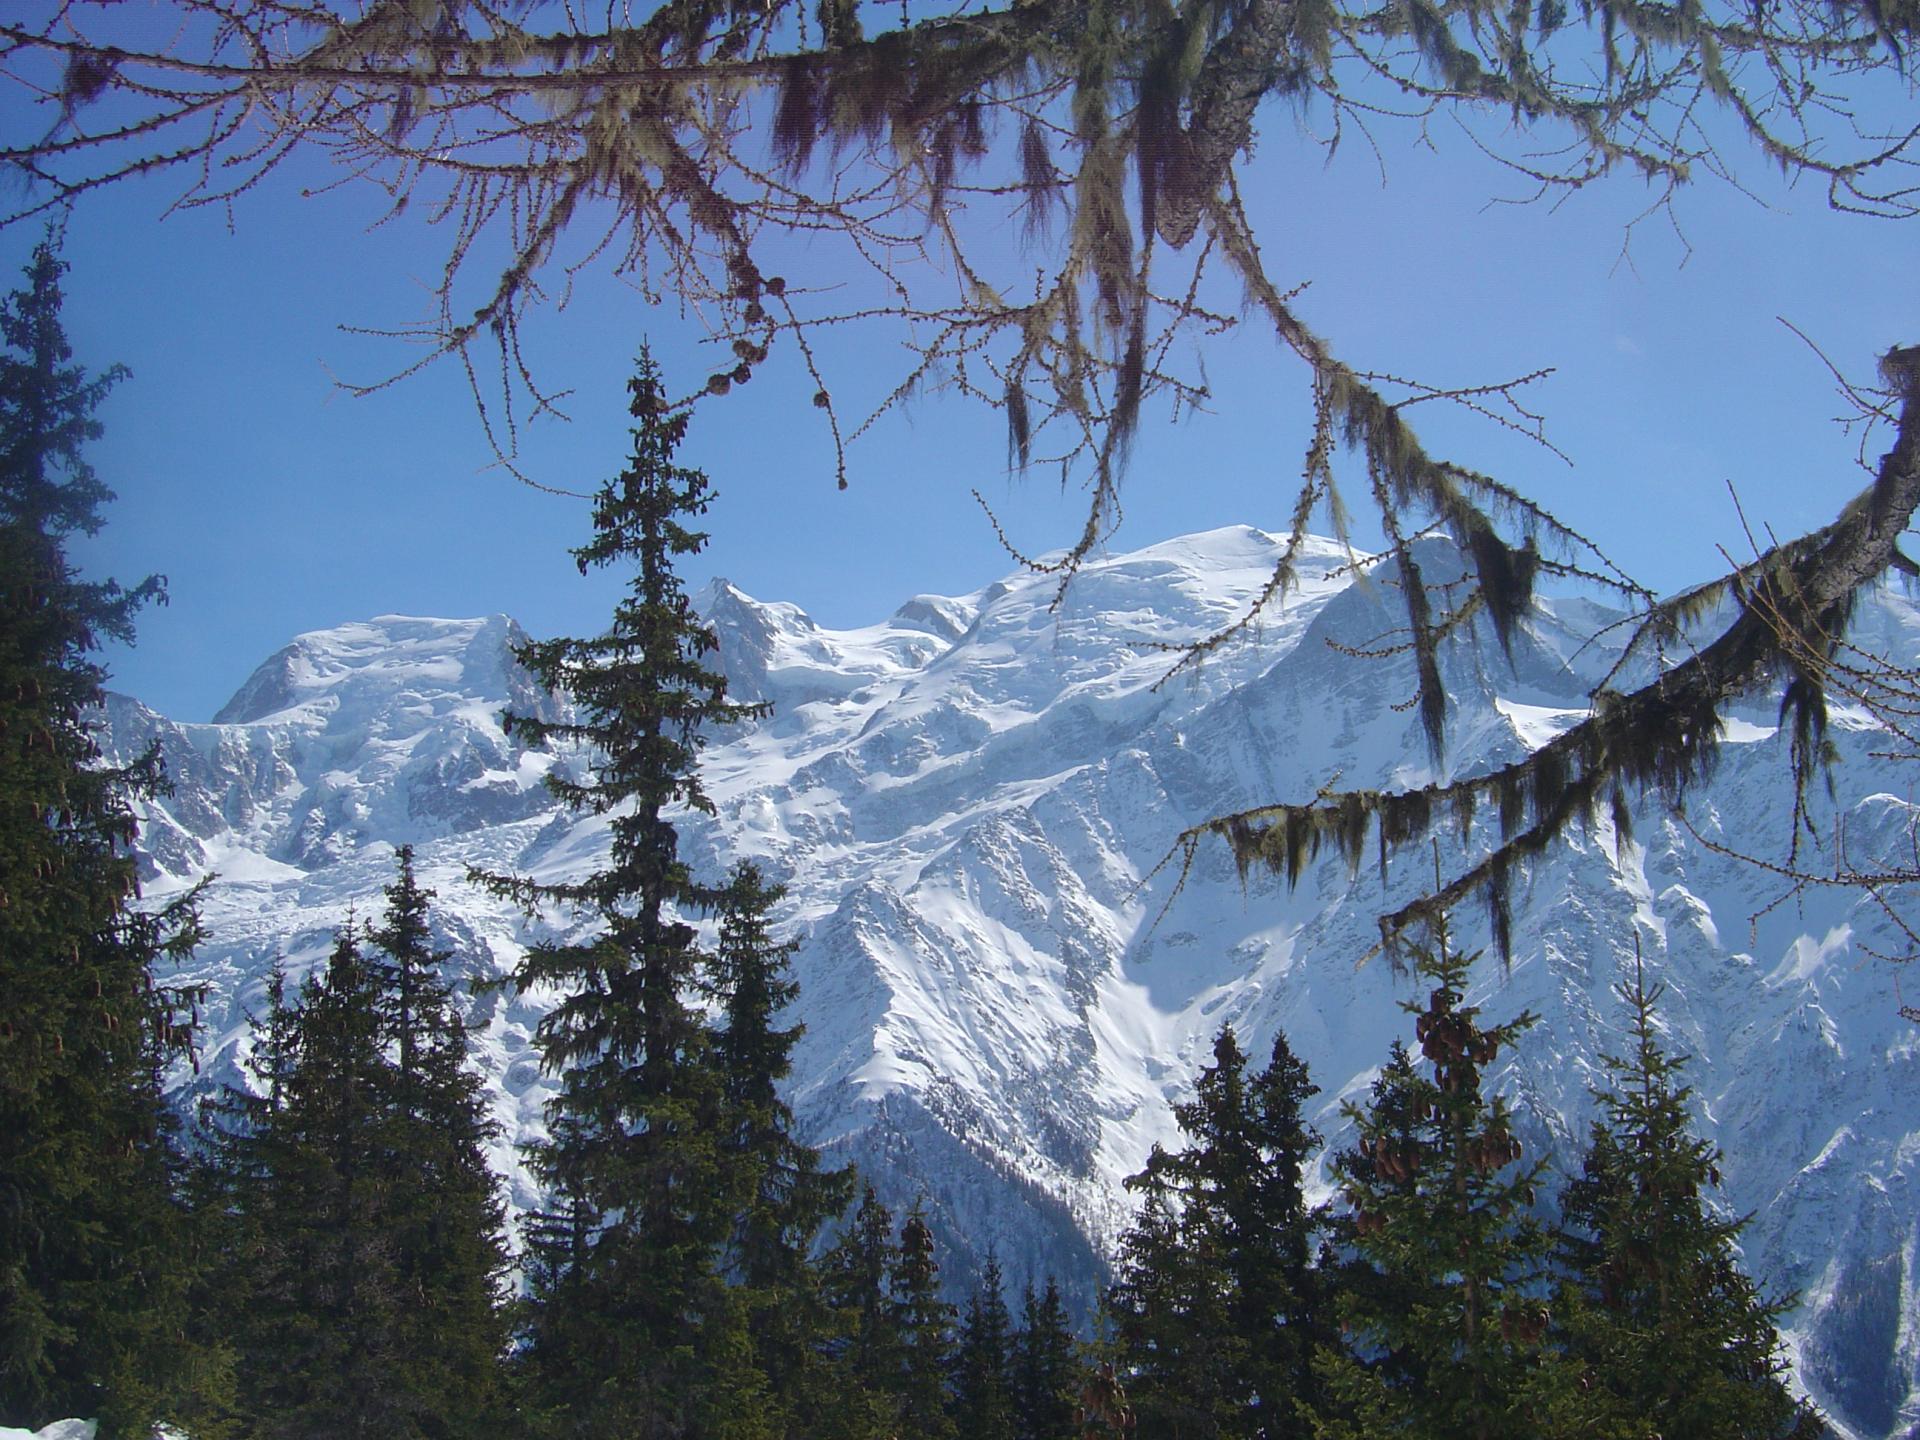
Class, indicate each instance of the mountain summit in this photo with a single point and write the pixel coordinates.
(1004, 986)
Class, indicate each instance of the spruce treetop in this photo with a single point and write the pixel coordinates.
(1655, 1309)
(93, 1262)
(925, 1327)
(679, 1211)
(643, 690)
(47, 409)
(1440, 1293)
(1217, 1307)
(49, 490)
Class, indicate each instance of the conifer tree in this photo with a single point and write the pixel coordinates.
(366, 1244)
(1047, 1372)
(1268, 1235)
(864, 1346)
(1445, 1330)
(622, 1256)
(1218, 1305)
(925, 1324)
(1167, 1310)
(243, 1146)
(781, 1198)
(730, 1396)
(1666, 1332)
(1395, 1102)
(321, 1339)
(983, 1362)
(444, 1216)
(858, 1274)
(95, 1262)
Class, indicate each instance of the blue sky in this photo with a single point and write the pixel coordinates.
(276, 503)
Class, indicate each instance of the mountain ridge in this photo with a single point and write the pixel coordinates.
(1004, 995)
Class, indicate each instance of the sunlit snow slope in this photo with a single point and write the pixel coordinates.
(1005, 988)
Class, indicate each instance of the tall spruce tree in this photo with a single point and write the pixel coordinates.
(1268, 1237)
(322, 1352)
(781, 1197)
(366, 1247)
(622, 1257)
(983, 1361)
(1218, 1308)
(1396, 1108)
(1047, 1373)
(925, 1324)
(864, 1346)
(243, 1146)
(95, 1264)
(444, 1217)
(1668, 1335)
(1443, 1307)
(1167, 1314)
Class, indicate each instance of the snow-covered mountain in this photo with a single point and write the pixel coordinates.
(1005, 989)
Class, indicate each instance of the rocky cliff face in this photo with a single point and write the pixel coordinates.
(1003, 985)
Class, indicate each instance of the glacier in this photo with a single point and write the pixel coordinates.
(1007, 979)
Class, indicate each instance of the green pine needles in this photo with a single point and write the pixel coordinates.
(671, 1286)
(1217, 1304)
(1667, 1332)
(95, 1259)
(364, 1254)
(1448, 1301)
(1443, 1303)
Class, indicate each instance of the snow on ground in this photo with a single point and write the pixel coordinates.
(58, 1430)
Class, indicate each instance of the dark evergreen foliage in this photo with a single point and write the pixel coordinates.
(1396, 1110)
(1167, 1312)
(244, 1146)
(1443, 1301)
(1047, 1369)
(95, 1258)
(1269, 1236)
(729, 1396)
(319, 1339)
(628, 1318)
(780, 1201)
(780, 1196)
(1667, 1333)
(983, 1381)
(444, 1216)
(925, 1325)
(865, 1344)
(365, 1242)
(1218, 1307)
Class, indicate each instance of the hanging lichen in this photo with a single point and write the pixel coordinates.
(1663, 736)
